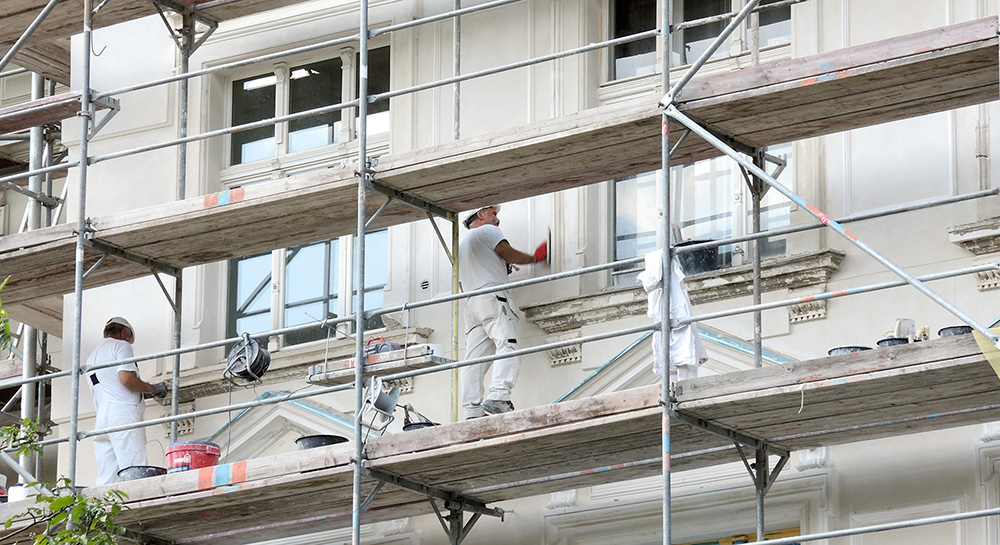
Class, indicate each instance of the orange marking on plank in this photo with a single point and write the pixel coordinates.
(205, 478)
(239, 472)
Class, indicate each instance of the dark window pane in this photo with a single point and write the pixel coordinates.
(630, 17)
(253, 100)
(697, 39)
(378, 78)
(313, 86)
(775, 25)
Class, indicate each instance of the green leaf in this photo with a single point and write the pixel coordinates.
(60, 503)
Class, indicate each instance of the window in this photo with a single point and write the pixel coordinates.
(314, 278)
(706, 197)
(637, 58)
(631, 17)
(299, 88)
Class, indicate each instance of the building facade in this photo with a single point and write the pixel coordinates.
(901, 163)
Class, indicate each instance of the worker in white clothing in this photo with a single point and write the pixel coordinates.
(484, 256)
(118, 399)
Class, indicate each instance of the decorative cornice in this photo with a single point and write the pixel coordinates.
(979, 238)
(787, 272)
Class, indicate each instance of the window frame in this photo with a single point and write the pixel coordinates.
(738, 43)
(278, 304)
(284, 163)
(741, 205)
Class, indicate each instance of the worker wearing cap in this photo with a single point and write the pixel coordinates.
(118, 399)
(484, 255)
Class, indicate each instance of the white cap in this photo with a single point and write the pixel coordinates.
(121, 321)
(472, 215)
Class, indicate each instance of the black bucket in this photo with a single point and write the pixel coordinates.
(313, 441)
(248, 359)
(892, 341)
(418, 425)
(840, 350)
(951, 331)
(698, 261)
(131, 473)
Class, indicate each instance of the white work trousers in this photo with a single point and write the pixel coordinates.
(120, 449)
(490, 329)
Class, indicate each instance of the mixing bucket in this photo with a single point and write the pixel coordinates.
(192, 455)
(140, 472)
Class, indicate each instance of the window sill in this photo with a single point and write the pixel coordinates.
(335, 154)
(615, 91)
(288, 364)
(786, 272)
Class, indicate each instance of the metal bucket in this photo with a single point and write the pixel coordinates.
(951, 331)
(313, 441)
(839, 350)
(418, 425)
(131, 473)
(892, 341)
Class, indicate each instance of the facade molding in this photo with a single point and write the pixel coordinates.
(979, 238)
(808, 269)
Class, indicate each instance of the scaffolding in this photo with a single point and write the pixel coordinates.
(719, 442)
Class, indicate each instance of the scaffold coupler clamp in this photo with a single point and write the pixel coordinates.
(88, 229)
(666, 101)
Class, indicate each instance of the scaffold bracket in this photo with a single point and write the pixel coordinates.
(726, 433)
(407, 198)
(112, 105)
(452, 501)
(128, 256)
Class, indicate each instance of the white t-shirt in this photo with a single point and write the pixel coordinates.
(479, 265)
(112, 350)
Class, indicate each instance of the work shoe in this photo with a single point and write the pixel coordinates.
(497, 406)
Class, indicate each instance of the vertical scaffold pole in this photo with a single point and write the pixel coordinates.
(663, 242)
(757, 188)
(187, 47)
(81, 233)
(30, 335)
(359, 269)
(455, 288)
(456, 114)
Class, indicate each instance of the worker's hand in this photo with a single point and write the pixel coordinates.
(160, 389)
(541, 252)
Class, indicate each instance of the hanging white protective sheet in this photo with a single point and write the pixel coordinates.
(686, 349)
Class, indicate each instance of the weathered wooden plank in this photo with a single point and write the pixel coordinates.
(30, 114)
(982, 31)
(826, 368)
(579, 442)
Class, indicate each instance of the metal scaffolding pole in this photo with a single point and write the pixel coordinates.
(456, 113)
(30, 335)
(359, 270)
(757, 190)
(663, 242)
(81, 235)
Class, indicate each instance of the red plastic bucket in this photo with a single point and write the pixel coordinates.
(191, 455)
